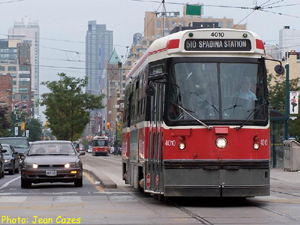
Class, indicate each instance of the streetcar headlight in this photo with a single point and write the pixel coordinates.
(35, 166)
(221, 142)
(181, 146)
(256, 146)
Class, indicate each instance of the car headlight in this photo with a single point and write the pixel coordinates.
(35, 166)
(221, 142)
(7, 160)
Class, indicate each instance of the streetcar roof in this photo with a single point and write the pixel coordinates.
(100, 138)
(173, 45)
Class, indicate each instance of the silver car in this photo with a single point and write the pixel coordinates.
(51, 161)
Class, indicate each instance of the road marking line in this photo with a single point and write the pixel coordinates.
(92, 181)
(7, 183)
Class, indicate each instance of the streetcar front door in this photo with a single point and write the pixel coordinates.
(154, 178)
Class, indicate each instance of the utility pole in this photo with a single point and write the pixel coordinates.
(287, 101)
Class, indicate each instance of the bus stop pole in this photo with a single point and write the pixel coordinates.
(287, 102)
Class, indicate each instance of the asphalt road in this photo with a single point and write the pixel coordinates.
(58, 203)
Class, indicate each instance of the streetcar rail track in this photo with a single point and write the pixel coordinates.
(191, 214)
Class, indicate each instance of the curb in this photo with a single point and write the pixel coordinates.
(103, 183)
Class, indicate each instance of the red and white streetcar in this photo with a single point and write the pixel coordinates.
(196, 119)
(100, 146)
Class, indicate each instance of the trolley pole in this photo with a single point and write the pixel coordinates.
(287, 102)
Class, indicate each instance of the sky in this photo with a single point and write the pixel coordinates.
(66, 21)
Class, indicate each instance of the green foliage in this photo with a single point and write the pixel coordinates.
(4, 122)
(277, 98)
(35, 130)
(67, 106)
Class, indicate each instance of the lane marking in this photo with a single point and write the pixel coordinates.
(92, 181)
(7, 183)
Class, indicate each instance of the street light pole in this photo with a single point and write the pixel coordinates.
(287, 102)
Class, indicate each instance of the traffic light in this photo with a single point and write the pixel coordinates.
(107, 126)
(22, 125)
(47, 124)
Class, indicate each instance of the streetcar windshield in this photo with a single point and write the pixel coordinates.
(217, 91)
(100, 143)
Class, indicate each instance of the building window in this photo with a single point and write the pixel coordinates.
(228, 24)
(24, 68)
(158, 35)
(129, 63)
(23, 83)
(23, 90)
(14, 75)
(14, 82)
(22, 75)
(144, 42)
(2, 68)
(12, 68)
(158, 24)
(124, 77)
(182, 23)
(24, 97)
(174, 23)
(14, 89)
(151, 42)
(167, 24)
(221, 24)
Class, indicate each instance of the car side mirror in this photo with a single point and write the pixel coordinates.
(82, 153)
(279, 69)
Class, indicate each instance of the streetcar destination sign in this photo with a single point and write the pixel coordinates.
(217, 45)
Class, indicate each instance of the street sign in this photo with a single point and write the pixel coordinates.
(16, 131)
(27, 133)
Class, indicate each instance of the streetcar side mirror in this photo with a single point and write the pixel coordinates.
(279, 69)
(150, 90)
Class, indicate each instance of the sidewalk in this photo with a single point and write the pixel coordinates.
(280, 174)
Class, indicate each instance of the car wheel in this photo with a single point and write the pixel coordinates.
(25, 183)
(78, 183)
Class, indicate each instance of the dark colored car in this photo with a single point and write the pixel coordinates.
(20, 144)
(51, 161)
(11, 158)
(1, 161)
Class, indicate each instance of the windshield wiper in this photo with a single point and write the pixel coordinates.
(185, 110)
(212, 105)
(252, 112)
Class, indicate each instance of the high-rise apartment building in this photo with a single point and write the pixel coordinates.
(289, 39)
(15, 62)
(99, 46)
(29, 32)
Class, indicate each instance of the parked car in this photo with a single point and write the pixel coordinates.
(51, 161)
(79, 147)
(12, 159)
(1, 161)
(20, 144)
(90, 150)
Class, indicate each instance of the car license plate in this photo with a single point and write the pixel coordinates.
(51, 173)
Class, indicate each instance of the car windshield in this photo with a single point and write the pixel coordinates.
(217, 91)
(16, 143)
(8, 150)
(52, 149)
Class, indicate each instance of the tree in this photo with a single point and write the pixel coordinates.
(35, 130)
(277, 98)
(67, 107)
(4, 122)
